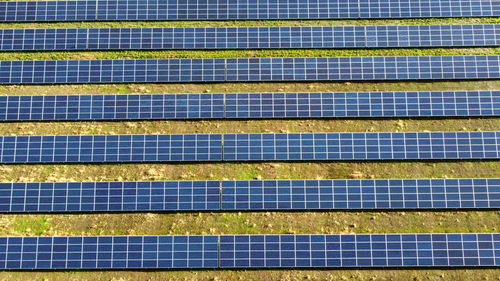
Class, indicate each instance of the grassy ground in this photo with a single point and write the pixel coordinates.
(251, 222)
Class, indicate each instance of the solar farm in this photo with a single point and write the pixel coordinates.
(249, 140)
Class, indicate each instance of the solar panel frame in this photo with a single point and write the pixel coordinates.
(359, 250)
(250, 106)
(361, 146)
(250, 69)
(226, 195)
(123, 10)
(250, 37)
(108, 252)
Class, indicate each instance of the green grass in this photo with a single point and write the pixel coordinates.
(30, 226)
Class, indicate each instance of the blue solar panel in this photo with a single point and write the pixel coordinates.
(361, 146)
(92, 10)
(250, 37)
(255, 105)
(111, 148)
(361, 250)
(360, 194)
(262, 251)
(250, 147)
(114, 107)
(100, 252)
(249, 69)
(372, 104)
(110, 196)
(250, 195)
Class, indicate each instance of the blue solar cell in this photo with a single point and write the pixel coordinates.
(243, 251)
(92, 10)
(254, 105)
(360, 194)
(110, 196)
(100, 252)
(249, 69)
(111, 148)
(250, 37)
(250, 195)
(361, 146)
(250, 147)
(358, 250)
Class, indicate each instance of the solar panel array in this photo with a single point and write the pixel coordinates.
(108, 252)
(249, 69)
(361, 146)
(253, 105)
(250, 37)
(93, 10)
(250, 147)
(242, 251)
(110, 148)
(250, 195)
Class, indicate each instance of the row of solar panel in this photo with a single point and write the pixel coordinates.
(250, 37)
(250, 147)
(254, 105)
(93, 10)
(233, 251)
(250, 195)
(250, 69)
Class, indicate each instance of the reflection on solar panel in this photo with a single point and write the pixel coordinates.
(250, 69)
(257, 105)
(93, 252)
(360, 194)
(250, 195)
(250, 37)
(92, 10)
(362, 250)
(112, 148)
(250, 147)
(229, 251)
(361, 146)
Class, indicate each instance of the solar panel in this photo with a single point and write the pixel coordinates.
(361, 104)
(250, 147)
(250, 37)
(250, 195)
(254, 105)
(100, 252)
(243, 251)
(110, 196)
(111, 148)
(360, 194)
(249, 69)
(359, 250)
(93, 10)
(361, 146)
(115, 107)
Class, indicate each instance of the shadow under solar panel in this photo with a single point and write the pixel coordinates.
(250, 106)
(250, 69)
(250, 37)
(108, 10)
(245, 251)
